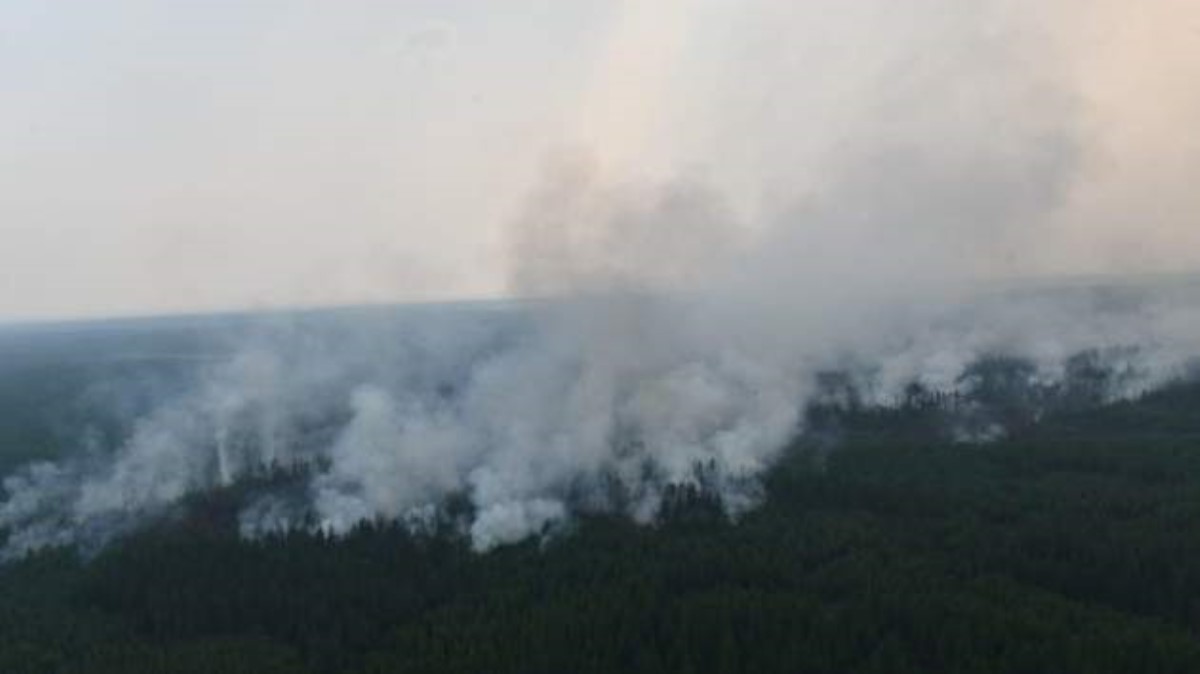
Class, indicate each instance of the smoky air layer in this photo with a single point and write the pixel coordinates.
(697, 255)
(534, 412)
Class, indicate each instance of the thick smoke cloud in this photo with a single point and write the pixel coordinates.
(681, 312)
(535, 412)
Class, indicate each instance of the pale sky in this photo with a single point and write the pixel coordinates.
(171, 155)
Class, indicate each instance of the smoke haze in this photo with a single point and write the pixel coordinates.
(733, 199)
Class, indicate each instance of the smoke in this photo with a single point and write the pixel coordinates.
(705, 253)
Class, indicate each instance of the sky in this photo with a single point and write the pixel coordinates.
(192, 156)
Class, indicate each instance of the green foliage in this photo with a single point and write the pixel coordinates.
(1071, 546)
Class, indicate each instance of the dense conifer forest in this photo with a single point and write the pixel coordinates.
(882, 545)
(600, 337)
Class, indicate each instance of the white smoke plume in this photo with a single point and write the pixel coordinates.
(691, 275)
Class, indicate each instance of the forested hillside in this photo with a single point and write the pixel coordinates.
(1071, 546)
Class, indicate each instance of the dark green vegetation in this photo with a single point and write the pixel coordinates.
(1073, 546)
(68, 385)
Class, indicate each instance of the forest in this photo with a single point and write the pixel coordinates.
(882, 545)
(600, 337)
